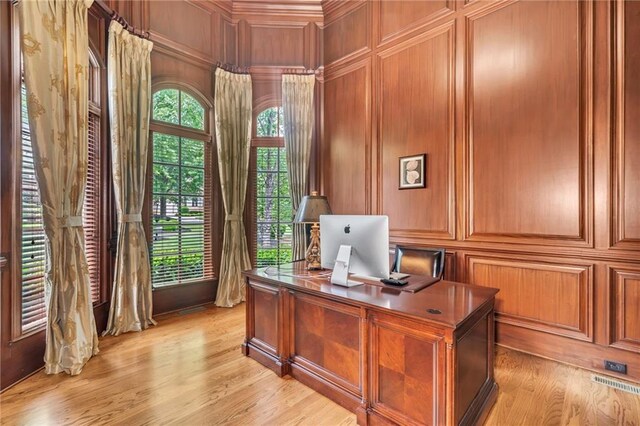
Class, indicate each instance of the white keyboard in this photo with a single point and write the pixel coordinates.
(398, 275)
(392, 275)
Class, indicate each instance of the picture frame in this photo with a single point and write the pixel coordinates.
(412, 172)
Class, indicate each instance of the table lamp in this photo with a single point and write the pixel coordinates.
(309, 211)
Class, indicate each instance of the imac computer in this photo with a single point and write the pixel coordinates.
(360, 241)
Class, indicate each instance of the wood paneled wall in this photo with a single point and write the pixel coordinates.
(527, 111)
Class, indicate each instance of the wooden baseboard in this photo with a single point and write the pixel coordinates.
(581, 354)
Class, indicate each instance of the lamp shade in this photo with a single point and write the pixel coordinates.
(311, 207)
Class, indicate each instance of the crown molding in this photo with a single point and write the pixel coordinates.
(310, 10)
(335, 8)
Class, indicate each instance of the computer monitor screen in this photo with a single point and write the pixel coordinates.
(368, 237)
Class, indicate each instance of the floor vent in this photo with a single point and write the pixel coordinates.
(616, 384)
(192, 310)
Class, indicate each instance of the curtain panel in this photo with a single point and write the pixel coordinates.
(233, 113)
(55, 49)
(297, 106)
(129, 81)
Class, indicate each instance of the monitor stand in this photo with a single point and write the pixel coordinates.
(340, 274)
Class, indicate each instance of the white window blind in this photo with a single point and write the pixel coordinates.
(178, 209)
(33, 314)
(92, 204)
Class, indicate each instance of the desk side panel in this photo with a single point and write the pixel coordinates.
(474, 385)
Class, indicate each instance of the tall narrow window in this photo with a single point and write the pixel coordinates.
(92, 205)
(181, 244)
(33, 312)
(32, 237)
(272, 202)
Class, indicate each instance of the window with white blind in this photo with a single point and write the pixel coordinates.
(33, 312)
(92, 213)
(181, 243)
(273, 207)
(272, 212)
(32, 238)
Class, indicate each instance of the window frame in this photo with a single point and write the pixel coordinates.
(99, 89)
(250, 216)
(105, 209)
(206, 136)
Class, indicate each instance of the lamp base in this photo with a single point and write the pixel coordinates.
(313, 251)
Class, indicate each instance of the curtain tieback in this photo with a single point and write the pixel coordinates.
(134, 217)
(233, 218)
(70, 221)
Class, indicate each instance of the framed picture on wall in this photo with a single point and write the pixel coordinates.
(412, 172)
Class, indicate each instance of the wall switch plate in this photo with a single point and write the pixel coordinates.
(615, 366)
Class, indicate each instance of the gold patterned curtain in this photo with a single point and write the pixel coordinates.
(233, 134)
(55, 51)
(129, 80)
(297, 106)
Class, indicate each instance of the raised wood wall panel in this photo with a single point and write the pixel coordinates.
(632, 124)
(626, 226)
(554, 298)
(410, 73)
(397, 17)
(346, 183)
(348, 34)
(230, 42)
(165, 66)
(167, 16)
(277, 45)
(528, 165)
(625, 318)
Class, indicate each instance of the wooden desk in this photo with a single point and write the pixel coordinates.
(377, 351)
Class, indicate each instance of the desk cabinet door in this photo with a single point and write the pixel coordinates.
(326, 339)
(407, 371)
(263, 317)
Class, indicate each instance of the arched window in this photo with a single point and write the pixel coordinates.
(181, 188)
(270, 123)
(175, 106)
(271, 229)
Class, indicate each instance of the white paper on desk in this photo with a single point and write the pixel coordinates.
(340, 274)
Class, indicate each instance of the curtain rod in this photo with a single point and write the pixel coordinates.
(233, 68)
(115, 16)
(303, 71)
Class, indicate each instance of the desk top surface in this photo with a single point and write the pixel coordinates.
(455, 301)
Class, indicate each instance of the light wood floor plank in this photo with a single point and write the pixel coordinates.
(189, 371)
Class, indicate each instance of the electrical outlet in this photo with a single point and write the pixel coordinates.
(615, 366)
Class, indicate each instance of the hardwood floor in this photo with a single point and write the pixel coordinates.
(189, 370)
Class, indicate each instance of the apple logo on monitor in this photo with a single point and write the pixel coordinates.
(347, 229)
